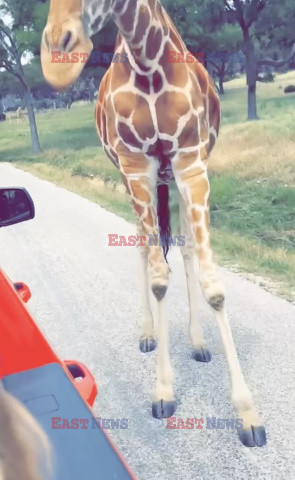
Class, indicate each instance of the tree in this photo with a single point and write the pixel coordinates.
(266, 29)
(1, 106)
(10, 60)
(204, 29)
(260, 20)
(184, 15)
(222, 44)
(20, 34)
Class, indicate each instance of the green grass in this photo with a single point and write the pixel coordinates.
(262, 212)
(252, 172)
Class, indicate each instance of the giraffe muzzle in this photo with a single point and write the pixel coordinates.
(71, 39)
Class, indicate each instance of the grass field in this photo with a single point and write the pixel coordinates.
(252, 173)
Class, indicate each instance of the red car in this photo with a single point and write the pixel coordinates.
(48, 387)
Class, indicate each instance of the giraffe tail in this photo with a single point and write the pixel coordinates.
(164, 217)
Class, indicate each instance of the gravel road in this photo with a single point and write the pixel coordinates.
(86, 301)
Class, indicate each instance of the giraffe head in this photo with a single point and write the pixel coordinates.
(69, 27)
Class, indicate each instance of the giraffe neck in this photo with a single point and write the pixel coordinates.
(144, 28)
(143, 25)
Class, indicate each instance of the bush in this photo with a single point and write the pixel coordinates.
(11, 103)
(43, 104)
(289, 89)
(2, 117)
(266, 77)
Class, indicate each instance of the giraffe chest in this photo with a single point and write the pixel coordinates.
(131, 127)
(151, 119)
(153, 125)
(134, 121)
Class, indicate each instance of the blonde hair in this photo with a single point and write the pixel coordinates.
(23, 443)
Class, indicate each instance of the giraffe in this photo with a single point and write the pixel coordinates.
(19, 115)
(158, 122)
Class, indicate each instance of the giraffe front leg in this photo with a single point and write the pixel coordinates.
(200, 352)
(147, 342)
(141, 188)
(163, 397)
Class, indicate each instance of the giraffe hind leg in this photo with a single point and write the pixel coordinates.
(195, 190)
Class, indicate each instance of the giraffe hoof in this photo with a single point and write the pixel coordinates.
(202, 355)
(253, 437)
(163, 409)
(147, 344)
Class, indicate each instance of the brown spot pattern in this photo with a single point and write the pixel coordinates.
(142, 25)
(154, 41)
(141, 193)
(157, 82)
(127, 19)
(128, 136)
(120, 74)
(170, 106)
(142, 83)
(145, 129)
(190, 134)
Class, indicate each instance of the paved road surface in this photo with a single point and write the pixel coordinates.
(86, 300)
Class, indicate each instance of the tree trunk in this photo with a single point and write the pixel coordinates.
(251, 72)
(252, 104)
(32, 121)
(221, 87)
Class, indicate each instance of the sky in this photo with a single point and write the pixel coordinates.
(26, 58)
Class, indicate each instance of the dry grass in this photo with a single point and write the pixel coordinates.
(258, 150)
(256, 153)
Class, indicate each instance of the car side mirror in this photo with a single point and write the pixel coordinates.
(16, 206)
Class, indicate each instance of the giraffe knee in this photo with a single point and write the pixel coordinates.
(213, 290)
(158, 271)
(217, 301)
(159, 291)
(159, 279)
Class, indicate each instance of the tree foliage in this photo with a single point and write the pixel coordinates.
(203, 26)
(27, 20)
(265, 26)
(18, 36)
(262, 29)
